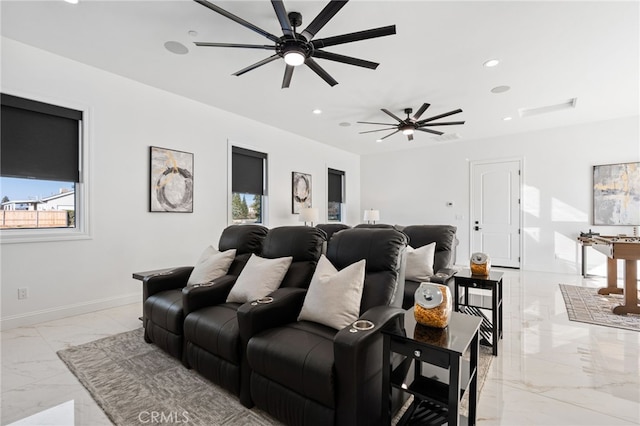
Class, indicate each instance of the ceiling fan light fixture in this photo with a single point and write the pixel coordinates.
(294, 57)
(407, 131)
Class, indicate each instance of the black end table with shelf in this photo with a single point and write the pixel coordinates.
(475, 304)
(441, 376)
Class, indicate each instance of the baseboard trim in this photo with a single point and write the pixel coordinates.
(35, 317)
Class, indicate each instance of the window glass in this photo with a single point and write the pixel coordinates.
(35, 203)
(246, 208)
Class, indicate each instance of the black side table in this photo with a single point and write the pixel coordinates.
(441, 376)
(491, 330)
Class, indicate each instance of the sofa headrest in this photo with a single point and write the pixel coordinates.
(374, 225)
(381, 247)
(332, 228)
(443, 235)
(243, 238)
(304, 243)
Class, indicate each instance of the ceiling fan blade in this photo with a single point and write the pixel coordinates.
(435, 132)
(320, 71)
(379, 130)
(370, 122)
(281, 12)
(357, 36)
(410, 137)
(246, 46)
(421, 111)
(395, 117)
(237, 19)
(390, 134)
(448, 123)
(257, 64)
(288, 73)
(323, 17)
(435, 117)
(344, 59)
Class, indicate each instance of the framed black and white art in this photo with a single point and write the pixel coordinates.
(171, 181)
(300, 191)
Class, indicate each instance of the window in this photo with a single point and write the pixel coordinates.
(336, 194)
(248, 171)
(40, 170)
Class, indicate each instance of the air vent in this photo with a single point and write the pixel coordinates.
(528, 112)
(447, 137)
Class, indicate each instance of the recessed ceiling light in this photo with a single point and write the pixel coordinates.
(491, 63)
(344, 124)
(177, 48)
(193, 33)
(500, 89)
(507, 118)
(317, 111)
(378, 140)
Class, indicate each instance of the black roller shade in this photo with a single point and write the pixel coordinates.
(335, 185)
(247, 174)
(38, 140)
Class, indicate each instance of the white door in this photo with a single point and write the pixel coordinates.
(495, 211)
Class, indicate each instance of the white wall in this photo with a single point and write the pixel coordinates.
(127, 117)
(557, 186)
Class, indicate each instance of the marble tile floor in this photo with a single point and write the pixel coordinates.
(550, 371)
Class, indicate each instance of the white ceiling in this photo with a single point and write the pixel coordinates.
(550, 52)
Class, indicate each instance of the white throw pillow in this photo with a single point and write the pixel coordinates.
(259, 278)
(333, 298)
(211, 265)
(420, 262)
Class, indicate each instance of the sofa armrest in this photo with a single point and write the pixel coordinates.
(169, 280)
(209, 294)
(443, 275)
(285, 308)
(358, 364)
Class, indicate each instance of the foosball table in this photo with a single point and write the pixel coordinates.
(628, 249)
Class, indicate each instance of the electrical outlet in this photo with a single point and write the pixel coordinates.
(22, 293)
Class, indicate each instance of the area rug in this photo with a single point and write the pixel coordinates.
(136, 383)
(584, 304)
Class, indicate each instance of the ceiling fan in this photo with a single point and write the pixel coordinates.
(300, 48)
(410, 124)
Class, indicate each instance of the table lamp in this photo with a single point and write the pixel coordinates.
(371, 215)
(309, 215)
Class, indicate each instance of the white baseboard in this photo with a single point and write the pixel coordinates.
(35, 317)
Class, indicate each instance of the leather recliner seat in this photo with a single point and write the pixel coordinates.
(306, 373)
(213, 345)
(162, 294)
(445, 254)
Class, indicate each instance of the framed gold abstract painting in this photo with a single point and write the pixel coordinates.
(616, 194)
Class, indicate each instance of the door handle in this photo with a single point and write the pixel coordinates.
(477, 228)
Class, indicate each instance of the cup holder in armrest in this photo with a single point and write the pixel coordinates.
(361, 325)
(262, 301)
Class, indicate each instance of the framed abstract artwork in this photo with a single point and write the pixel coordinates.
(300, 191)
(171, 181)
(616, 194)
